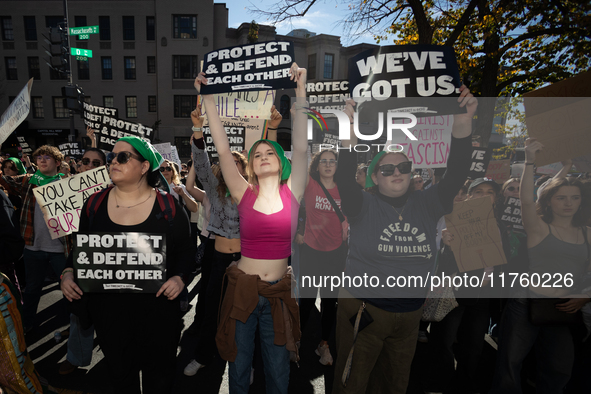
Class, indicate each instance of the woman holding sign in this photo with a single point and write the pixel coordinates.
(137, 330)
(259, 285)
(392, 235)
(558, 247)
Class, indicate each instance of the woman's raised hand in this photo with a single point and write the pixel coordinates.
(532, 146)
(200, 80)
(298, 75)
(196, 117)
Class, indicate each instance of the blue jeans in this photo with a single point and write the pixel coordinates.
(36, 263)
(275, 358)
(517, 336)
(80, 343)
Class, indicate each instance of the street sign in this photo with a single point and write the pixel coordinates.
(80, 52)
(75, 31)
(83, 36)
(82, 58)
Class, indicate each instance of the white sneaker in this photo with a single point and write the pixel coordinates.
(192, 368)
(324, 353)
(251, 375)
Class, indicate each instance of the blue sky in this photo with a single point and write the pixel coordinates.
(321, 19)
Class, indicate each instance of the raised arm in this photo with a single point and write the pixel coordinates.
(193, 190)
(532, 223)
(299, 175)
(90, 134)
(276, 119)
(235, 182)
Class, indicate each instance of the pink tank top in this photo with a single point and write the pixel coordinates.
(267, 237)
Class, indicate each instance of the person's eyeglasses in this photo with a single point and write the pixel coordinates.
(417, 180)
(162, 169)
(328, 163)
(388, 169)
(122, 157)
(44, 157)
(513, 188)
(95, 163)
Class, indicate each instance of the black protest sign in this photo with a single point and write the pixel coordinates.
(422, 74)
(93, 114)
(260, 66)
(480, 159)
(236, 132)
(112, 129)
(25, 148)
(71, 149)
(120, 262)
(327, 94)
(512, 214)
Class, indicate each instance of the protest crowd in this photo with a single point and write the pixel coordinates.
(255, 224)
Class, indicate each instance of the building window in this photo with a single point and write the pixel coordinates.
(53, 20)
(151, 103)
(83, 70)
(30, 28)
(106, 67)
(129, 67)
(183, 105)
(285, 106)
(38, 112)
(151, 64)
(328, 65)
(11, 73)
(104, 28)
(108, 102)
(34, 71)
(184, 67)
(128, 28)
(7, 31)
(184, 26)
(150, 28)
(312, 66)
(131, 106)
(80, 21)
(59, 112)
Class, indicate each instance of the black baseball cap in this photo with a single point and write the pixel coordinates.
(480, 181)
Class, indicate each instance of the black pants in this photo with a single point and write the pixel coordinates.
(138, 332)
(318, 263)
(207, 262)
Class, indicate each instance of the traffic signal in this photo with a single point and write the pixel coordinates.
(57, 49)
(73, 98)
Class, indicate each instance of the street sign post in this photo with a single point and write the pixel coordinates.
(80, 52)
(84, 30)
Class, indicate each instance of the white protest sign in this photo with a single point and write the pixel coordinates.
(244, 104)
(16, 112)
(62, 201)
(549, 169)
(431, 148)
(175, 157)
(165, 149)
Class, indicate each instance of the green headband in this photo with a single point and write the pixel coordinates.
(19, 165)
(147, 151)
(285, 164)
(374, 162)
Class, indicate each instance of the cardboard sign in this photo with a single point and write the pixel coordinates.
(260, 66)
(480, 161)
(431, 148)
(236, 132)
(327, 95)
(414, 72)
(71, 149)
(499, 170)
(93, 115)
(16, 112)
(583, 163)
(477, 241)
(512, 214)
(62, 201)
(244, 104)
(25, 148)
(120, 262)
(112, 129)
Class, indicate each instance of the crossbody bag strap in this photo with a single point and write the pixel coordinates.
(333, 203)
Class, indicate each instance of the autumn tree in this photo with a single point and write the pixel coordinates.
(504, 47)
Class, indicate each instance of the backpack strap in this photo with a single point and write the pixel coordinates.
(94, 201)
(167, 206)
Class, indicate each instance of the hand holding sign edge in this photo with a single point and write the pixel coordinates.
(69, 287)
(171, 288)
(462, 126)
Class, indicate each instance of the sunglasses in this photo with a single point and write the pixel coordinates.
(513, 188)
(95, 163)
(328, 163)
(388, 169)
(122, 157)
(162, 169)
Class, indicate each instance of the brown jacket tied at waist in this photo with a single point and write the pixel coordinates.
(242, 297)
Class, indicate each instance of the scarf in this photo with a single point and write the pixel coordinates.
(40, 179)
